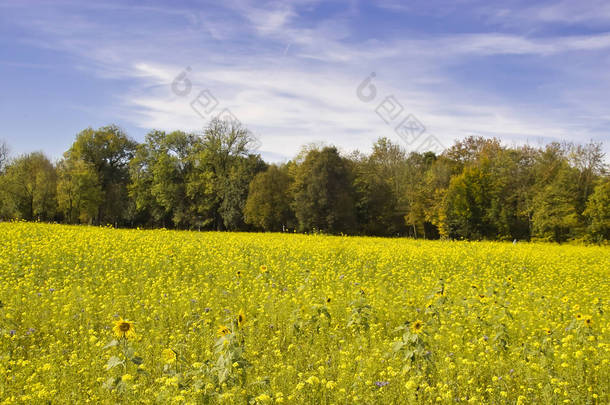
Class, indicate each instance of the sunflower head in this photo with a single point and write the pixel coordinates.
(124, 329)
(241, 319)
(547, 331)
(223, 330)
(263, 268)
(417, 326)
(168, 356)
(588, 321)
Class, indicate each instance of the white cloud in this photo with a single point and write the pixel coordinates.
(295, 83)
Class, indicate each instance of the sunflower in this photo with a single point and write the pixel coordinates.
(417, 326)
(124, 329)
(223, 330)
(241, 319)
(168, 356)
(547, 331)
(588, 321)
(263, 268)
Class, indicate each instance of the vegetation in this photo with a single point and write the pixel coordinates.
(91, 314)
(478, 189)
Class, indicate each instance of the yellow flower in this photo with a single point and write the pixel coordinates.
(124, 329)
(588, 320)
(263, 399)
(223, 330)
(241, 319)
(312, 380)
(168, 356)
(417, 326)
(263, 268)
(127, 377)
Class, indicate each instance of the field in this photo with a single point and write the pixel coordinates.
(103, 316)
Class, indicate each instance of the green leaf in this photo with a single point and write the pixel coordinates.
(129, 352)
(113, 362)
(109, 383)
(112, 343)
(397, 346)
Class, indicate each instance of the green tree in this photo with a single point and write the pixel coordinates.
(268, 206)
(108, 150)
(323, 193)
(79, 193)
(588, 159)
(159, 174)
(4, 156)
(415, 195)
(28, 186)
(597, 212)
(223, 167)
(436, 185)
(235, 190)
(468, 198)
(555, 215)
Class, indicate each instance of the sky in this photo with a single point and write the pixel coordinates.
(421, 73)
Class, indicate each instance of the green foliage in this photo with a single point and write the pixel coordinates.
(79, 193)
(323, 193)
(598, 212)
(29, 188)
(107, 152)
(268, 204)
(555, 216)
(159, 172)
(477, 189)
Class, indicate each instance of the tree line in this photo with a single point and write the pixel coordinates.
(476, 189)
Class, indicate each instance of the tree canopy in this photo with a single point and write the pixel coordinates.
(476, 189)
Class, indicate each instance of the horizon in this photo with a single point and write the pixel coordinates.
(296, 74)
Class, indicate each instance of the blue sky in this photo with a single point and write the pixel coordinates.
(522, 71)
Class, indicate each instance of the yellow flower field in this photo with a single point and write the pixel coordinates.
(101, 315)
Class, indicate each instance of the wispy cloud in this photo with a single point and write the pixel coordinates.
(292, 78)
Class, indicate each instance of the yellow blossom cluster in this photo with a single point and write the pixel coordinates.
(247, 318)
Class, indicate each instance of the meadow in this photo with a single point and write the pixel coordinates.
(99, 315)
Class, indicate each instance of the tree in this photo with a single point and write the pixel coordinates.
(29, 188)
(4, 155)
(468, 199)
(79, 192)
(589, 161)
(436, 185)
(598, 212)
(268, 204)
(323, 193)
(415, 195)
(235, 190)
(108, 151)
(377, 182)
(555, 217)
(223, 166)
(159, 173)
